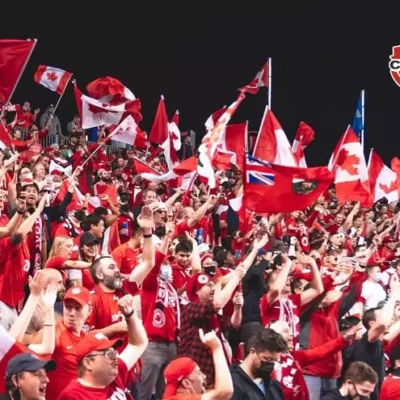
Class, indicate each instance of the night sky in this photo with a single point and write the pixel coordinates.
(198, 53)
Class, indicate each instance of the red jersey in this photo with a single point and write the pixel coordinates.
(126, 258)
(65, 357)
(287, 310)
(114, 391)
(25, 119)
(390, 388)
(105, 311)
(14, 267)
(160, 306)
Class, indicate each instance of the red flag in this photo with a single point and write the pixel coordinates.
(52, 78)
(304, 136)
(159, 130)
(175, 118)
(277, 188)
(5, 140)
(109, 90)
(260, 80)
(142, 168)
(14, 55)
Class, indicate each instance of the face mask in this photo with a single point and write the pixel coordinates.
(357, 396)
(166, 273)
(79, 215)
(378, 277)
(265, 369)
(25, 108)
(160, 191)
(124, 207)
(210, 271)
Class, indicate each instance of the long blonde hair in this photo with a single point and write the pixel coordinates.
(59, 242)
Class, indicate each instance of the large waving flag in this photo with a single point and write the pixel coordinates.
(159, 130)
(211, 140)
(109, 90)
(14, 55)
(260, 80)
(272, 144)
(358, 123)
(383, 180)
(276, 188)
(54, 79)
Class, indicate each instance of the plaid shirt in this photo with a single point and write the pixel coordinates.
(197, 316)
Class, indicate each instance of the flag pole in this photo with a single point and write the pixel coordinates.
(60, 97)
(362, 117)
(22, 70)
(269, 81)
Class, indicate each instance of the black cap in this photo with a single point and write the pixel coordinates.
(88, 238)
(28, 362)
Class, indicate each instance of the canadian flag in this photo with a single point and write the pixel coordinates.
(95, 113)
(351, 174)
(187, 166)
(109, 90)
(304, 136)
(272, 144)
(52, 78)
(260, 80)
(383, 180)
(129, 132)
(213, 118)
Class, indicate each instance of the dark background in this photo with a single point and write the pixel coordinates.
(198, 53)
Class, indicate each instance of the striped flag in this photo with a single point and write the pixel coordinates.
(54, 79)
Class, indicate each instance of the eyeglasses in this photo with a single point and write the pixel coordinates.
(109, 354)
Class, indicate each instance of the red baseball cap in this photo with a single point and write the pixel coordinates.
(176, 371)
(93, 342)
(195, 283)
(79, 294)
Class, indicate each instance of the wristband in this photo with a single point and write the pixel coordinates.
(130, 314)
(147, 236)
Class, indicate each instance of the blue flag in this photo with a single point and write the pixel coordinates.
(357, 123)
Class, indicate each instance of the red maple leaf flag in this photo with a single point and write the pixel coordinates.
(14, 55)
(304, 136)
(260, 80)
(128, 132)
(54, 79)
(383, 180)
(351, 174)
(109, 90)
(95, 113)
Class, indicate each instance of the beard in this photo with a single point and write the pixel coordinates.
(113, 282)
(60, 295)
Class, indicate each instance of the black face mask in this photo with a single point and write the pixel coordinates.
(265, 369)
(124, 207)
(210, 271)
(357, 395)
(160, 191)
(79, 215)
(106, 180)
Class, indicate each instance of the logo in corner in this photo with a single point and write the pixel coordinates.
(394, 64)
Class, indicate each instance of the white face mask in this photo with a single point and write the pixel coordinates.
(166, 273)
(378, 277)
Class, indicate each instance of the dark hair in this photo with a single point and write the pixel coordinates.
(184, 246)
(369, 316)
(295, 284)
(266, 340)
(100, 211)
(94, 268)
(89, 220)
(12, 389)
(359, 372)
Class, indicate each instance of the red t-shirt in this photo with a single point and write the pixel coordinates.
(160, 308)
(114, 391)
(390, 388)
(14, 267)
(25, 119)
(126, 258)
(65, 357)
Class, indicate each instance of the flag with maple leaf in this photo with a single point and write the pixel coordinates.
(383, 180)
(260, 80)
(54, 79)
(95, 113)
(128, 132)
(350, 168)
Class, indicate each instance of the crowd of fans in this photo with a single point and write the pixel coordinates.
(113, 287)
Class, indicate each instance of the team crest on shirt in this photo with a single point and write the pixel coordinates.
(158, 318)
